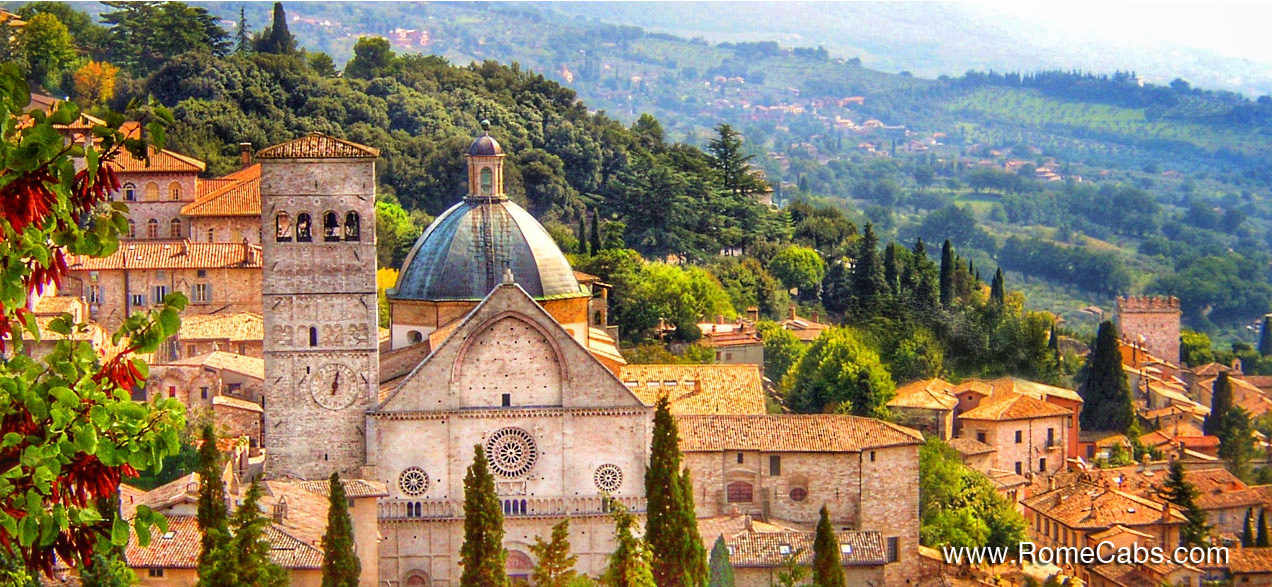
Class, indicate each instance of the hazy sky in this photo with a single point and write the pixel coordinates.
(1231, 29)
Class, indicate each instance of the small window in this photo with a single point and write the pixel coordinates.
(330, 227)
(174, 191)
(282, 228)
(303, 233)
(191, 350)
(414, 337)
(174, 228)
(784, 549)
(94, 294)
(172, 391)
(872, 456)
(740, 459)
(202, 293)
(980, 436)
(894, 549)
(1018, 470)
(1051, 437)
(313, 336)
(161, 292)
(739, 492)
(138, 300)
(775, 465)
(130, 192)
(132, 229)
(506, 400)
(212, 235)
(154, 572)
(487, 182)
(1042, 465)
(351, 227)
(152, 191)
(1019, 436)
(152, 228)
(201, 273)
(799, 494)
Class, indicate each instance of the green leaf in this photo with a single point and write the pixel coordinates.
(119, 532)
(30, 531)
(170, 321)
(143, 531)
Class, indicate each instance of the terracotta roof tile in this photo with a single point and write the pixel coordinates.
(161, 160)
(1250, 561)
(699, 389)
(173, 254)
(1086, 506)
(234, 402)
(769, 549)
(240, 197)
(791, 433)
(970, 446)
(1013, 406)
(318, 146)
(179, 548)
(353, 488)
(929, 394)
(234, 327)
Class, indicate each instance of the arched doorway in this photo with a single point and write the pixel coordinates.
(417, 579)
(519, 567)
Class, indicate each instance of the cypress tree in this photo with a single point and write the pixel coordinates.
(721, 568)
(891, 274)
(1106, 394)
(1265, 336)
(997, 290)
(671, 527)
(556, 564)
(280, 39)
(828, 570)
(1247, 530)
(629, 563)
(1183, 494)
(836, 287)
(249, 550)
(212, 514)
(340, 565)
(482, 555)
(582, 234)
(1220, 404)
(947, 274)
(919, 280)
(594, 238)
(1262, 537)
(1236, 442)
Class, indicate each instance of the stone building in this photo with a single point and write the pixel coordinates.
(1027, 434)
(1152, 321)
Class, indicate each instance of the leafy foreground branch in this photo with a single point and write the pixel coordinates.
(70, 430)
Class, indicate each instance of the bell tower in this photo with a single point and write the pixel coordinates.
(485, 168)
(319, 300)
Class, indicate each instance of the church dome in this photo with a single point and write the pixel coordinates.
(463, 255)
(485, 146)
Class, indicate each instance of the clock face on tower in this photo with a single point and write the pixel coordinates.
(334, 386)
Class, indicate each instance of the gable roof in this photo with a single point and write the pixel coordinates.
(791, 433)
(1091, 507)
(1013, 406)
(316, 145)
(233, 326)
(179, 548)
(698, 389)
(240, 195)
(970, 446)
(929, 394)
(172, 254)
(769, 549)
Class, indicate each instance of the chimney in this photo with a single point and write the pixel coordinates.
(1051, 483)
(792, 312)
(817, 317)
(753, 314)
(245, 155)
(185, 246)
(247, 252)
(1166, 511)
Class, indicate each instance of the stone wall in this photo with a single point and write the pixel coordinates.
(232, 290)
(1156, 319)
(226, 229)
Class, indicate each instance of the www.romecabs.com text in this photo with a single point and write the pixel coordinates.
(1104, 552)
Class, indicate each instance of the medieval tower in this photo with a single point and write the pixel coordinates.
(1152, 322)
(319, 303)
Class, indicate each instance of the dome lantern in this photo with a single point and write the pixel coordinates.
(485, 167)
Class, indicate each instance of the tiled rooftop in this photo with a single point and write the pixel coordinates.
(318, 146)
(699, 389)
(173, 254)
(1013, 406)
(240, 196)
(791, 433)
(352, 487)
(1087, 506)
(234, 327)
(769, 549)
(970, 446)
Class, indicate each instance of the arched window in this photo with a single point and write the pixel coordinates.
(417, 579)
(487, 181)
(303, 234)
(330, 227)
(174, 191)
(739, 492)
(415, 337)
(132, 229)
(152, 228)
(282, 228)
(130, 192)
(174, 228)
(152, 191)
(351, 227)
(313, 336)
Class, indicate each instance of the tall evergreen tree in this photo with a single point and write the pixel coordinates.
(249, 550)
(1265, 336)
(340, 564)
(1247, 529)
(836, 287)
(868, 286)
(891, 270)
(242, 33)
(671, 528)
(997, 289)
(1106, 392)
(482, 556)
(732, 165)
(1183, 494)
(212, 514)
(1262, 538)
(1220, 404)
(947, 274)
(919, 281)
(582, 234)
(594, 237)
(556, 564)
(721, 568)
(1236, 442)
(629, 563)
(277, 39)
(828, 570)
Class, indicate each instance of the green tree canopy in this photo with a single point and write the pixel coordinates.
(340, 564)
(482, 555)
(799, 268)
(556, 564)
(1183, 494)
(671, 527)
(1220, 404)
(782, 349)
(1105, 392)
(47, 49)
(629, 564)
(721, 568)
(958, 506)
(840, 372)
(828, 571)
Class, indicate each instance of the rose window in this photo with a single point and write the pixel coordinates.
(608, 478)
(511, 452)
(413, 481)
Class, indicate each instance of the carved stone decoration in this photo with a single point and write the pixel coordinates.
(413, 481)
(511, 452)
(608, 478)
